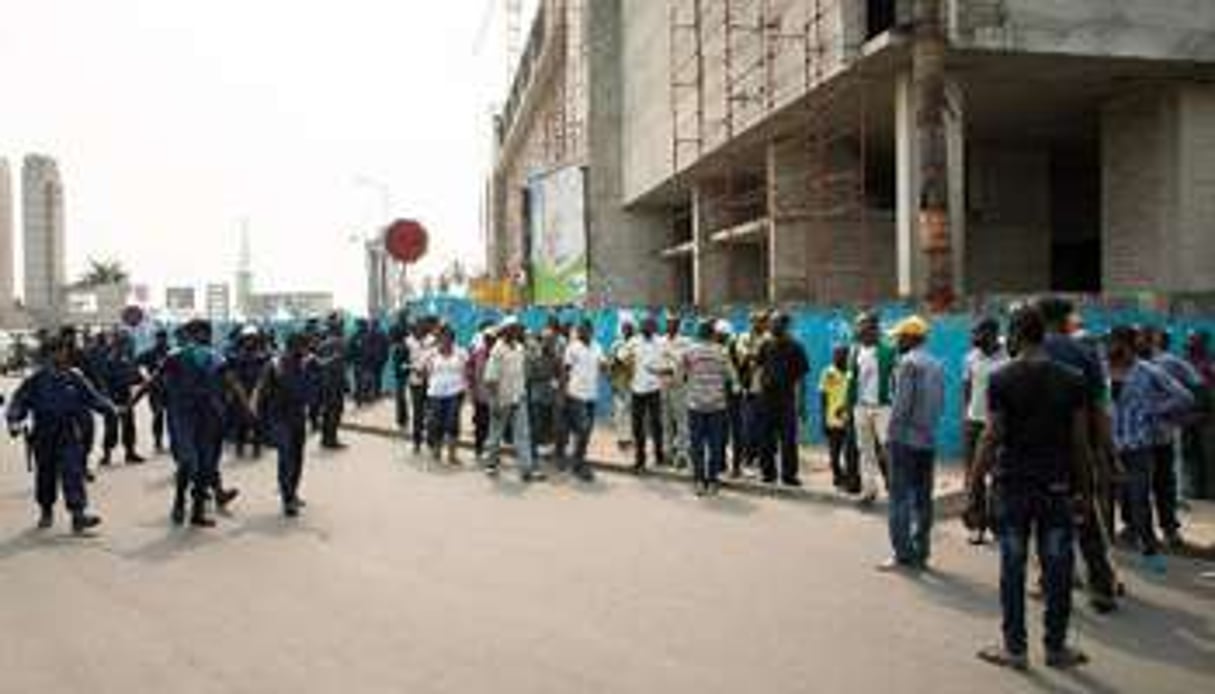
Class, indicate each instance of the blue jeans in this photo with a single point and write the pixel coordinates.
(1137, 497)
(911, 514)
(444, 420)
(1049, 517)
(579, 419)
(515, 416)
(708, 435)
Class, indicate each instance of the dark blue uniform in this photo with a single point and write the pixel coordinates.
(246, 366)
(331, 355)
(195, 401)
(122, 375)
(58, 400)
(151, 360)
(289, 387)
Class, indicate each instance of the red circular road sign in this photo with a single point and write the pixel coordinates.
(406, 240)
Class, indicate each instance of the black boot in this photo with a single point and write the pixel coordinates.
(83, 522)
(178, 514)
(223, 497)
(198, 514)
(47, 518)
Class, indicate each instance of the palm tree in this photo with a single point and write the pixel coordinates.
(103, 272)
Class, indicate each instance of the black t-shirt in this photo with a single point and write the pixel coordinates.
(784, 366)
(1036, 400)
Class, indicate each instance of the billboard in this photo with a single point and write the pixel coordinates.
(557, 236)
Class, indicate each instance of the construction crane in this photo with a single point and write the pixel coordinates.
(513, 16)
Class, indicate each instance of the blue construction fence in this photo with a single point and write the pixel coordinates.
(820, 329)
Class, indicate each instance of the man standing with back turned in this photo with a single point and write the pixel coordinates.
(1037, 440)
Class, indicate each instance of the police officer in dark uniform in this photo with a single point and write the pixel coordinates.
(150, 361)
(331, 355)
(247, 363)
(122, 376)
(57, 397)
(196, 384)
(286, 389)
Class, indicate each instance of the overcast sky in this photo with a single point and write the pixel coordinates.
(174, 119)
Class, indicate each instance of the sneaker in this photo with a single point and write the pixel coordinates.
(1002, 657)
(892, 564)
(491, 470)
(134, 458)
(83, 522)
(1154, 564)
(792, 482)
(46, 519)
(1065, 658)
(291, 509)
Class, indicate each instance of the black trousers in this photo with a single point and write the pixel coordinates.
(156, 402)
(417, 401)
(837, 441)
(332, 408)
(55, 465)
(113, 423)
(291, 438)
(1164, 488)
(401, 401)
(647, 414)
(778, 428)
(481, 421)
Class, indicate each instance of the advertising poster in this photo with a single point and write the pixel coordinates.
(558, 237)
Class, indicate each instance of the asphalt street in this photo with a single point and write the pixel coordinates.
(405, 576)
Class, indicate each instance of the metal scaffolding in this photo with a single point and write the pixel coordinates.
(736, 63)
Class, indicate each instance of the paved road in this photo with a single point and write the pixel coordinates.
(402, 578)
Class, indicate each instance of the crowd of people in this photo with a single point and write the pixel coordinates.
(1067, 435)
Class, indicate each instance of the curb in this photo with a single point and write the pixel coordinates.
(946, 506)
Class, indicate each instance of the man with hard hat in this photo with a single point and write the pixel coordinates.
(916, 409)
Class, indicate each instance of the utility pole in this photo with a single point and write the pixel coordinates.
(929, 80)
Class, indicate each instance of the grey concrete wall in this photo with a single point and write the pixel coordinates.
(1008, 231)
(623, 244)
(1156, 29)
(1158, 174)
(644, 58)
(711, 263)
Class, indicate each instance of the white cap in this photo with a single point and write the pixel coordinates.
(508, 322)
(723, 327)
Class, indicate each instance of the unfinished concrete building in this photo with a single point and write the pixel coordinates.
(857, 150)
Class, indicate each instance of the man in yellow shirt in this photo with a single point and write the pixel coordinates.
(833, 391)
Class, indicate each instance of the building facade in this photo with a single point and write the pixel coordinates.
(859, 150)
(219, 302)
(6, 242)
(289, 305)
(43, 228)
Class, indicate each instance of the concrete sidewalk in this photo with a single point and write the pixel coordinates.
(604, 455)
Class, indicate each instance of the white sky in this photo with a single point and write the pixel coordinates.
(174, 119)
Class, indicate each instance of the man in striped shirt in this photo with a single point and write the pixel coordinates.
(709, 375)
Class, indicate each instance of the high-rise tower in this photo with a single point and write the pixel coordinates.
(42, 212)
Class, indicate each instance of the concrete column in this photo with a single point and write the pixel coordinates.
(911, 266)
(907, 247)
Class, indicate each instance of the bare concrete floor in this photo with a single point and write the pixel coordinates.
(400, 577)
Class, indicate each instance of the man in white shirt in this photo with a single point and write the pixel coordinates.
(986, 356)
(674, 393)
(647, 356)
(581, 366)
(506, 383)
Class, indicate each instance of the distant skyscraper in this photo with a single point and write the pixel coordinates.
(244, 272)
(42, 209)
(6, 237)
(219, 303)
